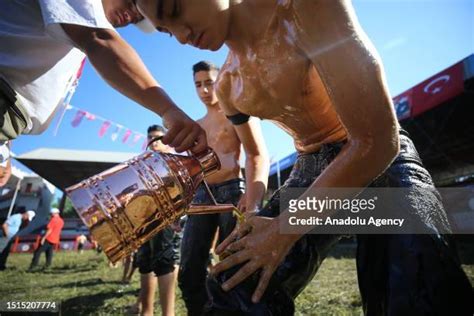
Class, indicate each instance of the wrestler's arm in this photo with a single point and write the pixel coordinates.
(329, 35)
(119, 64)
(353, 75)
(257, 163)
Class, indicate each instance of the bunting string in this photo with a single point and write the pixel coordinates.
(81, 114)
(129, 136)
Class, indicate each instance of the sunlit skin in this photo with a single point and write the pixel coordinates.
(308, 67)
(226, 141)
(221, 135)
(121, 13)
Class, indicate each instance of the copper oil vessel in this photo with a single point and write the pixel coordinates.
(125, 206)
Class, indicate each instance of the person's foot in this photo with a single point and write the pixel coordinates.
(32, 269)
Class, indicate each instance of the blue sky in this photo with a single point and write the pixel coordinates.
(415, 38)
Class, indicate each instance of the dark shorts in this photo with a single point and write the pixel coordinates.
(397, 274)
(158, 254)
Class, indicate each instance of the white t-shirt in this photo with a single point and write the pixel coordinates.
(37, 58)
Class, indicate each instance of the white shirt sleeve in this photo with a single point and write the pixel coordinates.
(88, 13)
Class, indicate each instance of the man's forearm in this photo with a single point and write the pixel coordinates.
(48, 232)
(119, 64)
(5, 230)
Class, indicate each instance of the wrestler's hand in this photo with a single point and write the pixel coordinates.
(242, 205)
(246, 206)
(183, 133)
(259, 245)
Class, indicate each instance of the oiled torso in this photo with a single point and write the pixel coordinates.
(273, 80)
(222, 137)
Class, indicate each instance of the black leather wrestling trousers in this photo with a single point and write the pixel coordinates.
(397, 274)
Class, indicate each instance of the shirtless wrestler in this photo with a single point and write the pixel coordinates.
(308, 66)
(226, 185)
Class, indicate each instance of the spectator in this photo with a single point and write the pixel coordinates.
(227, 186)
(49, 240)
(157, 258)
(10, 229)
(81, 241)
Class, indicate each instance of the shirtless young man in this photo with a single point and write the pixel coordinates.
(308, 66)
(157, 259)
(226, 185)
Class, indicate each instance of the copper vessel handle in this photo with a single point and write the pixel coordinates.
(200, 208)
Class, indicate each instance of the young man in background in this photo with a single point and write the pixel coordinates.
(226, 185)
(157, 258)
(10, 228)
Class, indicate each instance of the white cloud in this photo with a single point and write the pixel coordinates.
(395, 43)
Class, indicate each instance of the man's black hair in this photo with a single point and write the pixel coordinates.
(20, 209)
(156, 128)
(204, 66)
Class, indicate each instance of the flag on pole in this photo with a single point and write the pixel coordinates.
(66, 99)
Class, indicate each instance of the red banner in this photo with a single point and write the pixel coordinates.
(430, 93)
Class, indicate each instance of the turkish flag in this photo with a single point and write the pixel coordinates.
(438, 89)
(403, 104)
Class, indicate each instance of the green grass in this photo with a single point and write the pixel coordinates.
(85, 285)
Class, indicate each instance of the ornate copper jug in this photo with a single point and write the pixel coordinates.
(125, 206)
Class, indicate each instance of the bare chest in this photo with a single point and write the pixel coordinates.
(265, 78)
(221, 135)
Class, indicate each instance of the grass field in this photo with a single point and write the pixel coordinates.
(85, 285)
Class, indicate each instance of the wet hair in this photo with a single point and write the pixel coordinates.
(204, 66)
(156, 128)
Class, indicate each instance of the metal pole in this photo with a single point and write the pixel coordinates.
(14, 197)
